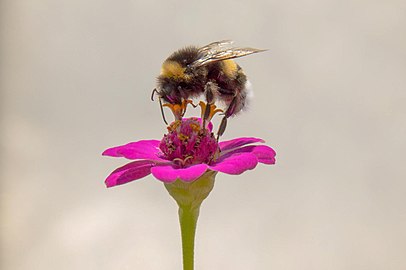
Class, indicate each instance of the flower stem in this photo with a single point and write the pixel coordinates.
(188, 219)
(189, 197)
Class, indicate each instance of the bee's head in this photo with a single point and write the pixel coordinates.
(172, 81)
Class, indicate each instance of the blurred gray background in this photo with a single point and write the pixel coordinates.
(76, 78)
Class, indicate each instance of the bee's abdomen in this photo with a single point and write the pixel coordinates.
(229, 77)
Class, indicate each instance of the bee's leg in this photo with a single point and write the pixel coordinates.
(222, 127)
(160, 104)
(230, 111)
(209, 91)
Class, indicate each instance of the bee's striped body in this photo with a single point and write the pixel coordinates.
(209, 71)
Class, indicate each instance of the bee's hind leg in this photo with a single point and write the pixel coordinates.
(222, 127)
(229, 112)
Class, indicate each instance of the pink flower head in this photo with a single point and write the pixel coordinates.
(186, 153)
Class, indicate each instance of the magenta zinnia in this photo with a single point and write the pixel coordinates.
(187, 160)
(185, 153)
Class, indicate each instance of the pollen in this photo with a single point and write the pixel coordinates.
(195, 127)
(183, 137)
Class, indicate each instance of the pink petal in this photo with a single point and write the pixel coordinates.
(234, 143)
(130, 172)
(236, 163)
(264, 154)
(169, 174)
(145, 149)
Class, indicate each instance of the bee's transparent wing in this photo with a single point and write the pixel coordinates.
(219, 51)
(214, 46)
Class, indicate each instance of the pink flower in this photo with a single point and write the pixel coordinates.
(186, 153)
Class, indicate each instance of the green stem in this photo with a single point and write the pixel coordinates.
(189, 196)
(188, 219)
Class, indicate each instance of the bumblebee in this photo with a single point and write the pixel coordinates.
(209, 71)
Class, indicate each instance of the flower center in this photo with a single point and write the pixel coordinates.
(188, 143)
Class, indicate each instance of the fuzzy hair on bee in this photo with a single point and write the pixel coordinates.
(209, 71)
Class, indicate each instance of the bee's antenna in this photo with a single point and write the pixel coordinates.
(160, 104)
(162, 110)
(153, 93)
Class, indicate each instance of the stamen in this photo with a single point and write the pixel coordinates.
(179, 110)
(176, 110)
(178, 160)
(174, 125)
(213, 111)
(182, 162)
(186, 159)
(185, 102)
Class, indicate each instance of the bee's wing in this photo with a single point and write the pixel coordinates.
(219, 51)
(216, 46)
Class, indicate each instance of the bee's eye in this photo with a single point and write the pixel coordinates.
(182, 85)
(167, 88)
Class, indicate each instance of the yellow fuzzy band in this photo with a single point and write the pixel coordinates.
(174, 70)
(229, 68)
